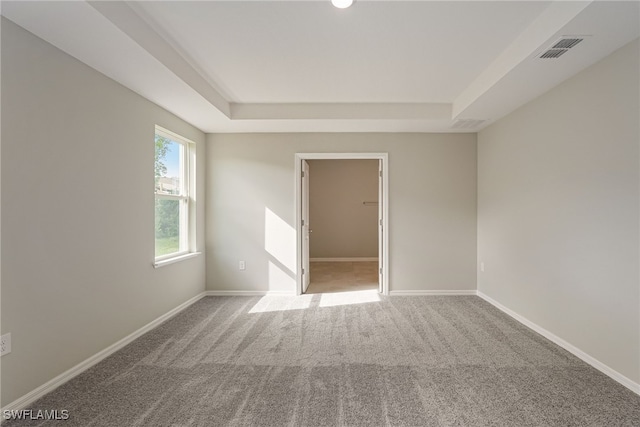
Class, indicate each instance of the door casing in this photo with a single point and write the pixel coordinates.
(305, 226)
(383, 234)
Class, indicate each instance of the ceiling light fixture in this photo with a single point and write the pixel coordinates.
(342, 4)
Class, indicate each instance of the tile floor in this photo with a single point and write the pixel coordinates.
(331, 277)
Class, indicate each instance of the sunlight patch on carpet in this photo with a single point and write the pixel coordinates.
(270, 303)
(349, 298)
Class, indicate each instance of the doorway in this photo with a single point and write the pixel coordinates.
(377, 265)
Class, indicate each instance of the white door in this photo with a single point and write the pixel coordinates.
(380, 230)
(306, 276)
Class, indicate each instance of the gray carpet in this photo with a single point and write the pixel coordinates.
(402, 361)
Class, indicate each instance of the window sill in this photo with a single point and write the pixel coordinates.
(178, 258)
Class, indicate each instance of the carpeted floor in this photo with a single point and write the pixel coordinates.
(319, 360)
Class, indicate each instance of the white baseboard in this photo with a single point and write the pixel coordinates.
(617, 376)
(357, 259)
(56, 382)
(437, 292)
(248, 293)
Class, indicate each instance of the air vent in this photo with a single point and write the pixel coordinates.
(467, 123)
(566, 43)
(554, 53)
(560, 47)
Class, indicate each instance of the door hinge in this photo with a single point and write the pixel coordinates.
(303, 174)
(303, 222)
(380, 173)
(380, 221)
(380, 271)
(303, 271)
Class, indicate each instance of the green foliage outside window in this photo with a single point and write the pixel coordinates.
(167, 211)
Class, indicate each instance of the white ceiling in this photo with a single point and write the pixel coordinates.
(267, 52)
(303, 66)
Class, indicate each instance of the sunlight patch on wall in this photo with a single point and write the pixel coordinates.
(280, 280)
(349, 298)
(280, 241)
(282, 303)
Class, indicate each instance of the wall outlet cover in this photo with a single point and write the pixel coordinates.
(5, 344)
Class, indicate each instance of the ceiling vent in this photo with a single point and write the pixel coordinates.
(553, 53)
(467, 123)
(566, 43)
(561, 47)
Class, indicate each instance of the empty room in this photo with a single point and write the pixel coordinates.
(322, 212)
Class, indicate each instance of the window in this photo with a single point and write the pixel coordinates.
(173, 189)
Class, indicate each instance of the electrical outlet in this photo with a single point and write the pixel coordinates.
(5, 344)
(242, 265)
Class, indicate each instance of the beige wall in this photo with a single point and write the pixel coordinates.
(558, 209)
(251, 207)
(343, 227)
(77, 213)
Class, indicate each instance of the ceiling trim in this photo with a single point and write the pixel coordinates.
(342, 111)
(552, 20)
(140, 31)
(134, 23)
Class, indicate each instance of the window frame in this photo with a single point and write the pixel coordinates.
(185, 198)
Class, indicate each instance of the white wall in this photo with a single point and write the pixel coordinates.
(343, 227)
(77, 213)
(558, 209)
(251, 207)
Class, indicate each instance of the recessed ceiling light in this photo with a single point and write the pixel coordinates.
(342, 4)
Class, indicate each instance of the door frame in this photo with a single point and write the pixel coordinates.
(384, 158)
(306, 232)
